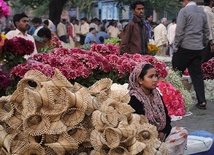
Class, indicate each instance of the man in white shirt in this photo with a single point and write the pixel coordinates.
(171, 36)
(208, 51)
(84, 29)
(93, 24)
(114, 31)
(62, 31)
(160, 37)
(21, 22)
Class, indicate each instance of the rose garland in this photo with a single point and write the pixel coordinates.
(175, 80)
(208, 69)
(172, 98)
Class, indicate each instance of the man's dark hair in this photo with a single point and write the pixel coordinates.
(37, 20)
(174, 20)
(103, 28)
(91, 29)
(135, 3)
(154, 23)
(147, 16)
(101, 38)
(84, 18)
(18, 17)
(46, 22)
(44, 32)
(64, 20)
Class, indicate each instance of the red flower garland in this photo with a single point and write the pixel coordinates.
(18, 46)
(208, 69)
(172, 98)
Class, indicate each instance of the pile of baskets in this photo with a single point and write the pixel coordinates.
(50, 116)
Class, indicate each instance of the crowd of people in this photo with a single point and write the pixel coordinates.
(73, 32)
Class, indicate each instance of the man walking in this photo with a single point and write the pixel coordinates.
(134, 38)
(62, 30)
(160, 37)
(192, 35)
(171, 36)
(148, 25)
(84, 29)
(208, 52)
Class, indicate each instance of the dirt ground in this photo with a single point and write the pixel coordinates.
(199, 120)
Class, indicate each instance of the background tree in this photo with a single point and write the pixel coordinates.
(55, 7)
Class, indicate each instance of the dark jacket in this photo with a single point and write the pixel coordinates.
(134, 38)
(139, 109)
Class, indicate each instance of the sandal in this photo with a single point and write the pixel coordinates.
(201, 106)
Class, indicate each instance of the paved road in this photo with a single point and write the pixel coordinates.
(199, 120)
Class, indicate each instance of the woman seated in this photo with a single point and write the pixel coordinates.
(50, 40)
(146, 100)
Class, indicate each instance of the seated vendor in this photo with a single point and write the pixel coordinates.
(147, 100)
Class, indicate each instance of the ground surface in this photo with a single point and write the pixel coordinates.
(199, 120)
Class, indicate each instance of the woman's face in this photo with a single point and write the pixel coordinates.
(150, 80)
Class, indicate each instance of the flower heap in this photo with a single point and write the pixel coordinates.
(105, 49)
(172, 98)
(51, 116)
(186, 73)
(15, 49)
(86, 67)
(21, 69)
(4, 9)
(208, 69)
(153, 49)
(4, 82)
(175, 80)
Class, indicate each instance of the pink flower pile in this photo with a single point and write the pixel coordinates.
(4, 9)
(74, 63)
(4, 80)
(21, 69)
(186, 72)
(55, 42)
(18, 46)
(172, 98)
(125, 63)
(208, 69)
(105, 49)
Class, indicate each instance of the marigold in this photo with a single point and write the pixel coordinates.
(153, 49)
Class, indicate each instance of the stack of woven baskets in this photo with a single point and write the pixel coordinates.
(50, 116)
